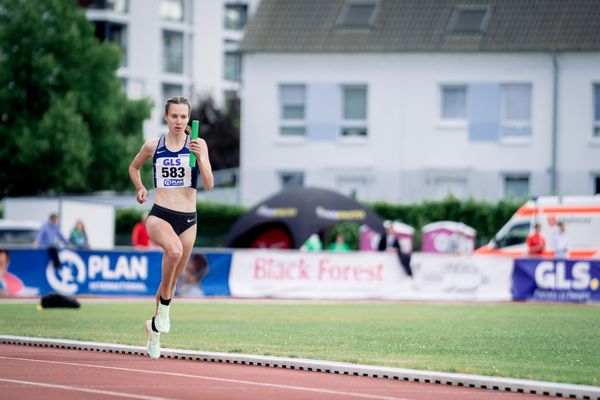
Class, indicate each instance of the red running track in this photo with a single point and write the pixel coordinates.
(38, 372)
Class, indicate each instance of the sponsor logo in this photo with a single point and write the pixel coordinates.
(128, 273)
(160, 151)
(191, 220)
(340, 214)
(553, 275)
(173, 182)
(266, 211)
(172, 162)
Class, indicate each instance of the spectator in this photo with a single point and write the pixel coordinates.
(339, 244)
(560, 243)
(48, 237)
(313, 243)
(4, 260)
(536, 244)
(139, 235)
(389, 242)
(78, 237)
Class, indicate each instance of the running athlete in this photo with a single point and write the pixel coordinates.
(171, 222)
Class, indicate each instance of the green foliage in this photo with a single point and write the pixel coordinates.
(486, 218)
(350, 230)
(214, 221)
(67, 126)
(221, 130)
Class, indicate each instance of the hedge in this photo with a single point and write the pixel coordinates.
(216, 219)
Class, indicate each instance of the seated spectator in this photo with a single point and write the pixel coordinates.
(536, 244)
(139, 235)
(313, 243)
(78, 237)
(339, 244)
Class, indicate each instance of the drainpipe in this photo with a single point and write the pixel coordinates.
(553, 172)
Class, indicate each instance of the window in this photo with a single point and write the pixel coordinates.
(597, 184)
(597, 110)
(449, 185)
(354, 112)
(172, 10)
(291, 179)
(235, 16)
(173, 52)
(292, 100)
(114, 5)
(469, 19)
(517, 234)
(516, 186)
(107, 31)
(454, 102)
(358, 14)
(515, 110)
(355, 187)
(169, 90)
(233, 66)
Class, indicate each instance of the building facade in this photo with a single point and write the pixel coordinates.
(174, 48)
(405, 100)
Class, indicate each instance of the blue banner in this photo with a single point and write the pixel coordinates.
(556, 280)
(105, 273)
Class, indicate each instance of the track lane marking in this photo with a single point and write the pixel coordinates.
(86, 390)
(209, 378)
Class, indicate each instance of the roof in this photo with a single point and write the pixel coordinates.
(423, 25)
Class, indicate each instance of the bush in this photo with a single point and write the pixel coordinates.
(215, 220)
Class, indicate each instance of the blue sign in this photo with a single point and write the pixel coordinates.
(130, 273)
(556, 280)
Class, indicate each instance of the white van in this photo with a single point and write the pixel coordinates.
(580, 214)
(18, 233)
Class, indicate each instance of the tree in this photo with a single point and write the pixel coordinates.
(66, 124)
(221, 130)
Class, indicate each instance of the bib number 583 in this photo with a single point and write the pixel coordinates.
(173, 172)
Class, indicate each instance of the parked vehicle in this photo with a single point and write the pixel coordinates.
(18, 233)
(581, 215)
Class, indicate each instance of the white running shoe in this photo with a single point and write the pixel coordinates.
(153, 345)
(162, 319)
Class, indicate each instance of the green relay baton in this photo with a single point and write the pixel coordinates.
(195, 125)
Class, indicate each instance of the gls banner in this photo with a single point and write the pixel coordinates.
(556, 280)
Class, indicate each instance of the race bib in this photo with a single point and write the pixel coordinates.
(173, 172)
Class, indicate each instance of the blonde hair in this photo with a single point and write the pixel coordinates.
(180, 100)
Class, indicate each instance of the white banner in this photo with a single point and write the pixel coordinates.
(367, 275)
(469, 277)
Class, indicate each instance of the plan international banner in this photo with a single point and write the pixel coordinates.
(117, 273)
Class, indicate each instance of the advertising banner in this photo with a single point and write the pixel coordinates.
(325, 275)
(556, 280)
(461, 277)
(105, 273)
(368, 275)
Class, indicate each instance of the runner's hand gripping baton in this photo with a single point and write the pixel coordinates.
(195, 125)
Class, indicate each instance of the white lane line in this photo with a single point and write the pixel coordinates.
(210, 378)
(86, 390)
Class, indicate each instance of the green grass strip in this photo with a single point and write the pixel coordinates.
(546, 342)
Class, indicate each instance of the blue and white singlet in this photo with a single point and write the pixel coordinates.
(172, 169)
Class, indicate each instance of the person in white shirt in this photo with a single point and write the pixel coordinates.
(560, 243)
